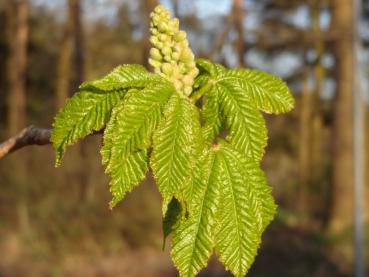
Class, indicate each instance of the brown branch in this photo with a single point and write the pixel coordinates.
(28, 136)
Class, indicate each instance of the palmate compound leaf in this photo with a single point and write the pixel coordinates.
(230, 205)
(176, 144)
(128, 136)
(90, 108)
(87, 111)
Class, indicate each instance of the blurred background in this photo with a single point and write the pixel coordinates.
(56, 222)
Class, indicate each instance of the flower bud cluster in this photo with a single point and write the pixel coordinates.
(171, 55)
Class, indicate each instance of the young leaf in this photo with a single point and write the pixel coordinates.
(128, 135)
(256, 178)
(193, 239)
(125, 76)
(247, 126)
(87, 111)
(213, 69)
(176, 143)
(211, 115)
(238, 236)
(126, 173)
(270, 94)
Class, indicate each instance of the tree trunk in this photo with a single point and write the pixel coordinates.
(78, 43)
(305, 136)
(71, 71)
(319, 76)
(64, 64)
(342, 185)
(340, 222)
(238, 23)
(17, 37)
(17, 18)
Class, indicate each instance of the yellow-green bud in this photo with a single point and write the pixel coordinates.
(186, 56)
(154, 40)
(187, 91)
(175, 56)
(167, 69)
(155, 54)
(163, 37)
(167, 50)
(159, 9)
(180, 36)
(154, 63)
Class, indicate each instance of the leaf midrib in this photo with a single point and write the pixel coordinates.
(234, 207)
(244, 119)
(201, 210)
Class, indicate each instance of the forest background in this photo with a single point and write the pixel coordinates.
(56, 222)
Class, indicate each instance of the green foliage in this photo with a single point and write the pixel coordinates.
(215, 196)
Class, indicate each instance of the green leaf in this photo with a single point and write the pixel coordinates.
(128, 135)
(213, 69)
(247, 131)
(193, 238)
(230, 206)
(87, 111)
(176, 144)
(256, 177)
(270, 93)
(126, 76)
(238, 237)
(126, 173)
(211, 115)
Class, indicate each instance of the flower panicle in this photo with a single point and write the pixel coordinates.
(171, 55)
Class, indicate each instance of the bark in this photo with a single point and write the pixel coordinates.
(238, 23)
(319, 76)
(64, 65)
(78, 43)
(17, 37)
(305, 137)
(342, 139)
(71, 71)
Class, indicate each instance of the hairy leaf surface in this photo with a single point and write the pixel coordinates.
(176, 144)
(193, 239)
(211, 115)
(128, 135)
(126, 76)
(85, 112)
(270, 94)
(247, 126)
(238, 237)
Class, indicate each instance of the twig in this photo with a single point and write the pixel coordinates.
(28, 136)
